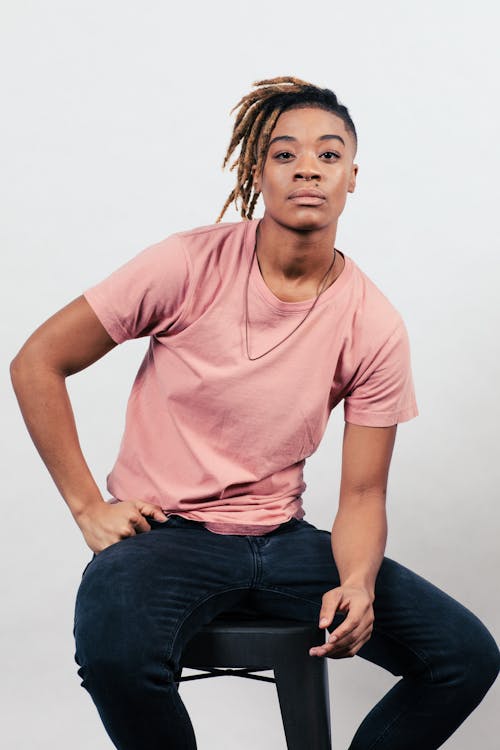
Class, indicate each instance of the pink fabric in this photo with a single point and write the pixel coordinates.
(213, 436)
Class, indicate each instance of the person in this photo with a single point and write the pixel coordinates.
(257, 330)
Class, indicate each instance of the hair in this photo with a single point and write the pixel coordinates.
(257, 116)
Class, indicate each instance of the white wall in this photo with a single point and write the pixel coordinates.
(115, 123)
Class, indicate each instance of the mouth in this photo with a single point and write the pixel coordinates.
(308, 200)
(307, 197)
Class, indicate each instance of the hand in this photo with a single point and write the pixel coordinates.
(107, 523)
(355, 630)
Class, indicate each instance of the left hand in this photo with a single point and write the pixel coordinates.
(355, 630)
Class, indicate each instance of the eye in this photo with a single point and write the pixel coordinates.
(331, 154)
(283, 153)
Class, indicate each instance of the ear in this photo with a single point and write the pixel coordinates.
(352, 179)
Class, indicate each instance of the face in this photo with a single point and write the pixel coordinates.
(309, 150)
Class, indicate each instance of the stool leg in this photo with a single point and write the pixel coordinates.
(304, 701)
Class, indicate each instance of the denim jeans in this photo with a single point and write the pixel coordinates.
(141, 599)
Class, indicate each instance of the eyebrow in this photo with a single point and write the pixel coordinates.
(321, 138)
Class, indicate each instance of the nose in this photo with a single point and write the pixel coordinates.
(307, 173)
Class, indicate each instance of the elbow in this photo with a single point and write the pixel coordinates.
(18, 369)
(28, 363)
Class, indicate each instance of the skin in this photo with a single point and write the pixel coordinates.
(68, 342)
(295, 241)
(294, 249)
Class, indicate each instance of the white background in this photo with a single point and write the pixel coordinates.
(115, 124)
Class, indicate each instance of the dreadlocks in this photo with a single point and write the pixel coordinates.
(255, 121)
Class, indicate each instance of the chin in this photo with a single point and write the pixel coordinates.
(305, 221)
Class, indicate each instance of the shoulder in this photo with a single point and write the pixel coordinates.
(209, 234)
(189, 250)
(214, 250)
(375, 317)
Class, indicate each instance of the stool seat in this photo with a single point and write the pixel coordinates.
(280, 645)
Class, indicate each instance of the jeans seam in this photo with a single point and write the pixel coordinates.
(194, 606)
(287, 593)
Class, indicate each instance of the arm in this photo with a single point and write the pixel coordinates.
(66, 343)
(359, 536)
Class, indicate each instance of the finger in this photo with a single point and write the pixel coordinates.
(347, 629)
(158, 515)
(140, 524)
(154, 511)
(331, 650)
(332, 653)
(333, 642)
(349, 650)
(323, 650)
(336, 650)
(329, 606)
(125, 532)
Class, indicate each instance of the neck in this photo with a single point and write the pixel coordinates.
(296, 258)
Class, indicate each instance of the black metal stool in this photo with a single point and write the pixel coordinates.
(243, 646)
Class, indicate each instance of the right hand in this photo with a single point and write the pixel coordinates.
(107, 523)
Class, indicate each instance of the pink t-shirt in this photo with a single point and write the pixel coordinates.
(213, 436)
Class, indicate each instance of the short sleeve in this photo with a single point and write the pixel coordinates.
(146, 295)
(384, 393)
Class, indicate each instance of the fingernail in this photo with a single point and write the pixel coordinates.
(323, 621)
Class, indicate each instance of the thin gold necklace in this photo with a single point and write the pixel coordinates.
(296, 327)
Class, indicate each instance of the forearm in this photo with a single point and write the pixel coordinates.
(359, 536)
(47, 412)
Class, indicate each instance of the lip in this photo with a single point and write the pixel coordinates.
(307, 193)
(307, 200)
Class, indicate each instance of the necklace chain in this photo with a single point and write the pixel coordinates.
(296, 327)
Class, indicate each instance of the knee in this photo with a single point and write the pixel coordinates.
(103, 652)
(116, 661)
(479, 657)
(486, 656)
(109, 673)
(107, 626)
(117, 642)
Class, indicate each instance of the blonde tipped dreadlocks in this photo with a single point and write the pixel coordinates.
(259, 111)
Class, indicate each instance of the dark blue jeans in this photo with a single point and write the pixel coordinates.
(141, 599)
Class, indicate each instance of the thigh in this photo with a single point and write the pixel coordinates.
(297, 568)
(418, 628)
(299, 564)
(158, 587)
